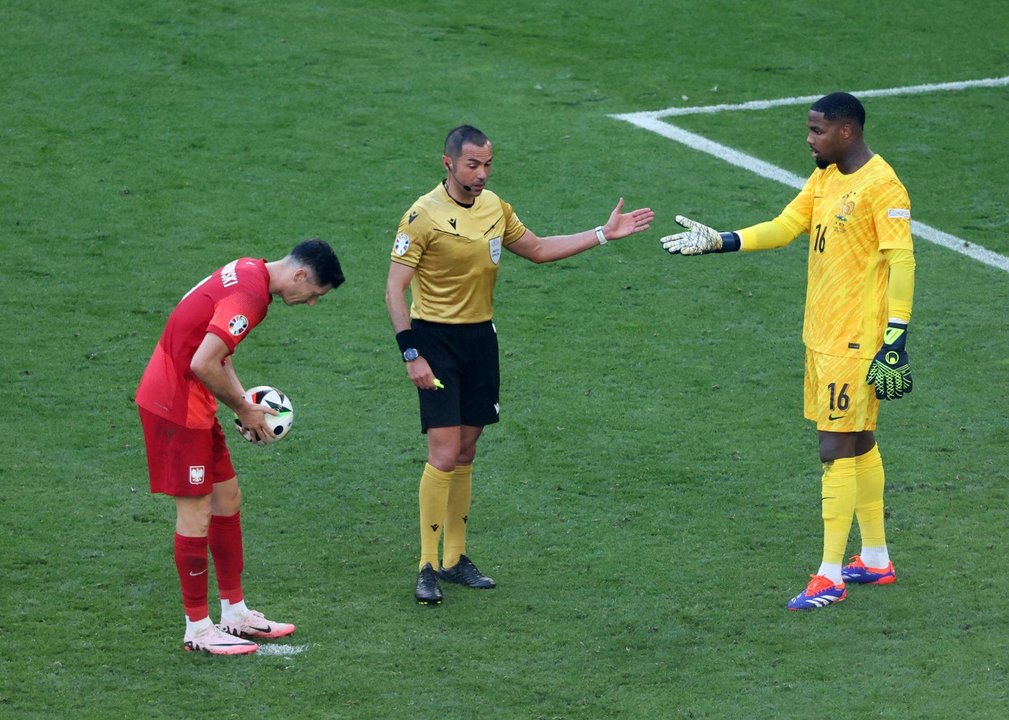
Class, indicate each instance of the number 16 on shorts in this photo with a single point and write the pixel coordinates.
(836, 396)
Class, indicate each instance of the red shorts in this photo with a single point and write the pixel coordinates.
(184, 461)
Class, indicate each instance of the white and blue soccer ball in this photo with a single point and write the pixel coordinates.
(280, 423)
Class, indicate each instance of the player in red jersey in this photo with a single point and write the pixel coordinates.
(187, 458)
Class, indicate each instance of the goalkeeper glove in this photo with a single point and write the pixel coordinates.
(699, 239)
(890, 370)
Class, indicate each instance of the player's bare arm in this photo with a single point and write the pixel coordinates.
(395, 301)
(229, 370)
(212, 365)
(557, 247)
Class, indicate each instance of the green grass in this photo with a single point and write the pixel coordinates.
(650, 499)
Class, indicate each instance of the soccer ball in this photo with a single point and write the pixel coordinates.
(280, 423)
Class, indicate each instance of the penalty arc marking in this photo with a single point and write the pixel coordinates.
(652, 121)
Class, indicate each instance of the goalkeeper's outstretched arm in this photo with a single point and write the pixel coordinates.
(699, 239)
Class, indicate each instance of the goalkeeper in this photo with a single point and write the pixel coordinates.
(860, 284)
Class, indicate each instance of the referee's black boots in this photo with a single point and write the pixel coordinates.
(467, 574)
(428, 591)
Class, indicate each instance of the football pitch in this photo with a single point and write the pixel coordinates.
(649, 501)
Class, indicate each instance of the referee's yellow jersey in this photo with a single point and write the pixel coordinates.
(456, 252)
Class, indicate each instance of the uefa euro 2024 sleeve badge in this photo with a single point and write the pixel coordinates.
(402, 244)
(238, 325)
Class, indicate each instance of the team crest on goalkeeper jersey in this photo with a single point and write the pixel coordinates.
(846, 209)
(402, 244)
(495, 250)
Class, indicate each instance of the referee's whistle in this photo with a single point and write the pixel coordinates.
(438, 385)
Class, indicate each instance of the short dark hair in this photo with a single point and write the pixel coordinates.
(318, 255)
(840, 106)
(457, 137)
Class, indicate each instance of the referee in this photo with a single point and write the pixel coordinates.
(447, 251)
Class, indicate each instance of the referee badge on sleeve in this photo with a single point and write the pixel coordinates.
(402, 244)
(495, 250)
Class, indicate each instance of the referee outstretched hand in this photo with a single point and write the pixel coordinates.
(623, 224)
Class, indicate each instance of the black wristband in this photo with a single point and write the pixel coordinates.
(730, 242)
(406, 339)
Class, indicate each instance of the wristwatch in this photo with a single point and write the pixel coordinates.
(410, 354)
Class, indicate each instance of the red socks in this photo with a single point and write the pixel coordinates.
(225, 540)
(225, 543)
(191, 562)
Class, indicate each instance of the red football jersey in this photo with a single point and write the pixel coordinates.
(228, 303)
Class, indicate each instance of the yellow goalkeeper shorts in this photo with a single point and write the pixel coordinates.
(835, 394)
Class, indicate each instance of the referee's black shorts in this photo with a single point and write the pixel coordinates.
(465, 358)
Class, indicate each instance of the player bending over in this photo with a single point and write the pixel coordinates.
(187, 457)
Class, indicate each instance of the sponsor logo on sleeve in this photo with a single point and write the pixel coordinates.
(196, 474)
(402, 244)
(899, 213)
(238, 325)
(495, 250)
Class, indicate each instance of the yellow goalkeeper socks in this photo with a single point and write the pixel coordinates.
(459, 496)
(434, 489)
(837, 506)
(869, 509)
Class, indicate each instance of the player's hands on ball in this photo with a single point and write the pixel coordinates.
(252, 417)
(623, 224)
(698, 239)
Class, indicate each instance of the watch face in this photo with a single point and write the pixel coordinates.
(410, 354)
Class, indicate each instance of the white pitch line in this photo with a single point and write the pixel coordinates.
(956, 244)
(281, 650)
(722, 152)
(650, 121)
(803, 99)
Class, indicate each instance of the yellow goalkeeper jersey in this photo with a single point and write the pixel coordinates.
(456, 251)
(850, 219)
